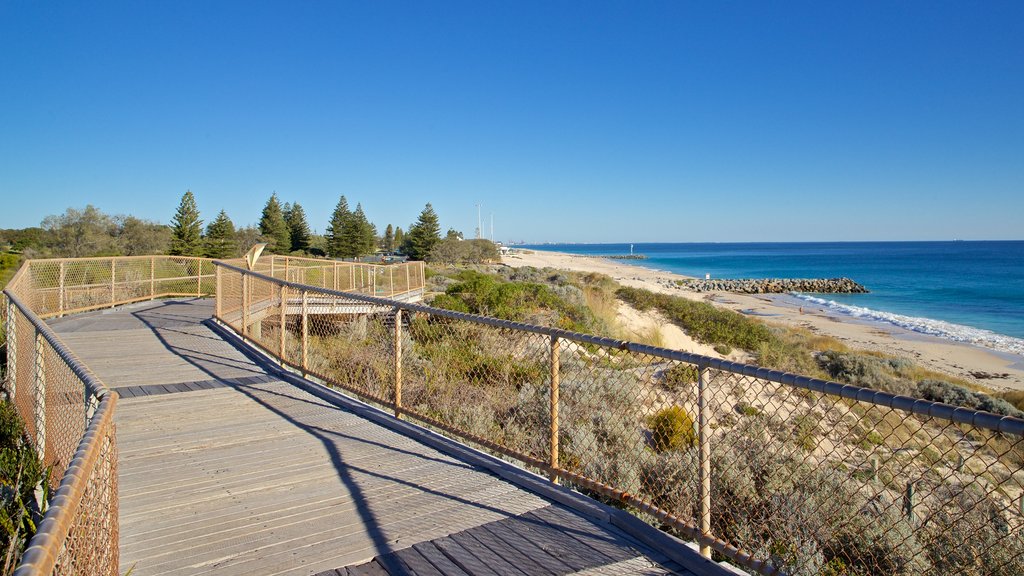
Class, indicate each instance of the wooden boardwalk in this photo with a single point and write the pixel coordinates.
(228, 466)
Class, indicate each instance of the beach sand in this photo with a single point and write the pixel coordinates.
(982, 366)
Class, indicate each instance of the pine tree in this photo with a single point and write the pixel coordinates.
(399, 238)
(423, 235)
(389, 239)
(362, 234)
(220, 237)
(336, 228)
(186, 228)
(274, 228)
(298, 228)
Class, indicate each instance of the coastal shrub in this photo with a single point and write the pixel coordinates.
(672, 429)
(1015, 397)
(723, 349)
(679, 376)
(21, 474)
(701, 320)
(868, 371)
(939, 391)
(786, 355)
(562, 306)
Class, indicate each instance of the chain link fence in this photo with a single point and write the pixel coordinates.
(68, 416)
(775, 472)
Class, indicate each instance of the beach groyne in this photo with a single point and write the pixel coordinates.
(775, 285)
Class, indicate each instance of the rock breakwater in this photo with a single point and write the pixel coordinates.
(776, 285)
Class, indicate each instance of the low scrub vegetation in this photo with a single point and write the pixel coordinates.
(23, 487)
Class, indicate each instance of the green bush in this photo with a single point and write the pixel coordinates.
(679, 376)
(672, 429)
(939, 391)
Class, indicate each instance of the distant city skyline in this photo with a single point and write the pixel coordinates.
(611, 122)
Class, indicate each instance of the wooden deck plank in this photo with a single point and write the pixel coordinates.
(226, 469)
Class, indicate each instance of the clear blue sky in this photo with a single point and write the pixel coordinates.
(570, 121)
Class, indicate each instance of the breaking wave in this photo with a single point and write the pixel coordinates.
(940, 328)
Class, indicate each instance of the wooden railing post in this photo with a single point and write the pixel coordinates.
(60, 288)
(199, 277)
(113, 274)
(245, 305)
(373, 281)
(555, 385)
(12, 349)
(398, 362)
(305, 334)
(391, 281)
(217, 297)
(335, 275)
(704, 458)
(39, 391)
(152, 277)
(284, 321)
(408, 285)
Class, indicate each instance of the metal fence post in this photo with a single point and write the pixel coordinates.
(152, 277)
(305, 334)
(12, 349)
(60, 288)
(398, 362)
(335, 275)
(555, 384)
(217, 298)
(245, 305)
(284, 321)
(704, 439)
(113, 274)
(39, 388)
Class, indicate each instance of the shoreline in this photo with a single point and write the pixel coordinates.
(983, 366)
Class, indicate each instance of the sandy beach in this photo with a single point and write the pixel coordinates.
(985, 367)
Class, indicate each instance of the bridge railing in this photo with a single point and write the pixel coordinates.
(381, 280)
(69, 419)
(774, 471)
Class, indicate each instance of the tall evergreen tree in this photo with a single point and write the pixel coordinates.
(298, 228)
(186, 228)
(274, 228)
(399, 238)
(389, 239)
(336, 228)
(220, 237)
(423, 235)
(363, 234)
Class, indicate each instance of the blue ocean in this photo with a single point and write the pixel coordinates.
(963, 291)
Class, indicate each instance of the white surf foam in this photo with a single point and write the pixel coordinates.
(940, 328)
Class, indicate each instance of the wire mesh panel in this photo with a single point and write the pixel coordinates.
(776, 472)
(67, 411)
(483, 381)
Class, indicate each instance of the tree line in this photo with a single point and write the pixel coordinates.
(283, 227)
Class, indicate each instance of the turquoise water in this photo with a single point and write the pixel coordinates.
(962, 291)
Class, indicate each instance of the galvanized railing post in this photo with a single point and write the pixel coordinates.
(555, 384)
(398, 362)
(217, 298)
(704, 458)
(113, 274)
(245, 305)
(39, 390)
(12, 349)
(283, 320)
(60, 289)
(152, 277)
(305, 334)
